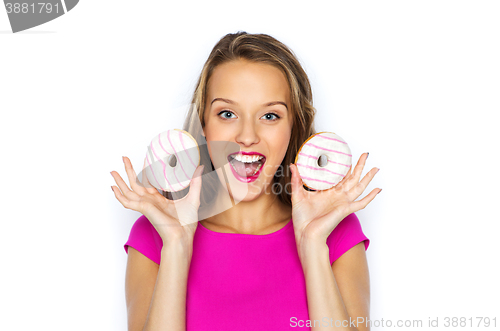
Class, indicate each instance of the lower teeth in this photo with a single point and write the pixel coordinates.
(258, 167)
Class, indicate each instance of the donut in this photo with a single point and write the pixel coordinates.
(171, 160)
(337, 153)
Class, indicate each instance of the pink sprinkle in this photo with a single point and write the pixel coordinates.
(159, 141)
(168, 137)
(307, 155)
(154, 152)
(323, 169)
(345, 165)
(317, 180)
(326, 149)
(163, 171)
(340, 141)
(179, 160)
(159, 159)
(149, 163)
(315, 157)
(184, 147)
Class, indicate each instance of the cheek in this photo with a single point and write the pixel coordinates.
(283, 140)
(280, 143)
(217, 132)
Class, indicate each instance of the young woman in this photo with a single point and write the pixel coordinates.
(282, 257)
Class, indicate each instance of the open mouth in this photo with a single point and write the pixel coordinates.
(246, 165)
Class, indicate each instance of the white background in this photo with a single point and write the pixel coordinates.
(415, 83)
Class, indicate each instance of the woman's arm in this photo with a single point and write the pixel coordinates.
(140, 280)
(175, 222)
(338, 296)
(156, 294)
(338, 293)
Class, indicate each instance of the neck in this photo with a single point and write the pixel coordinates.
(264, 214)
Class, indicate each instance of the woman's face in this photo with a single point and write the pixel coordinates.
(248, 105)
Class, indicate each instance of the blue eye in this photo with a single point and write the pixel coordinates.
(225, 112)
(271, 114)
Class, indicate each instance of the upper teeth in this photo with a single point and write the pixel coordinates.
(247, 158)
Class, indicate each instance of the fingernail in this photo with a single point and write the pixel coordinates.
(367, 154)
(200, 170)
(112, 188)
(379, 191)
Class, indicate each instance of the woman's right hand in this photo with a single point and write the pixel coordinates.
(173, 220)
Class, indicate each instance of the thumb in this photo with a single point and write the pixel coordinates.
(195, 186)
(296, 183)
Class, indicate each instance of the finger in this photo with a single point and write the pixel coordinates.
(359, 169)
(195, 186)
(361, 204)
(122, 199)
(121, 183)
(345, 178)
(296, 183)
(132, 177)
(361, 186)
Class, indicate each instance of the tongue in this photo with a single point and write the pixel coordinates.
(245, 169)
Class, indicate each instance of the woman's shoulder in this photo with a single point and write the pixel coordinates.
(346, 235)
(144, 238)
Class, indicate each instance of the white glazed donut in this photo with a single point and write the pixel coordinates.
(336, 151)
(160, 173)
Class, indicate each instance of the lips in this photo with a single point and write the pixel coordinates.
(245, 170)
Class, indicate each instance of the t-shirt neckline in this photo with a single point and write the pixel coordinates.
(283, 229)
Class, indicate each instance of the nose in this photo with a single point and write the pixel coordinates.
(247, 135)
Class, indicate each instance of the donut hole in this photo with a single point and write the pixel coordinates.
(172, 161)
(322, 161)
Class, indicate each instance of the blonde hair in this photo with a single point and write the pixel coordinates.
(260, 48)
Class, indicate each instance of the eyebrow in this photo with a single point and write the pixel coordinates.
(272, 103)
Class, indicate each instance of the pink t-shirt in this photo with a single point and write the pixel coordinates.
(245, 281)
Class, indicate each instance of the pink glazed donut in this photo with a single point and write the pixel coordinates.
(322, 177)
(172, 147)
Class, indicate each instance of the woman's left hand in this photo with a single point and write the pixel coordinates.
(316, 213)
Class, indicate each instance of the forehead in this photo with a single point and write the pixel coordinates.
(247, 81)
